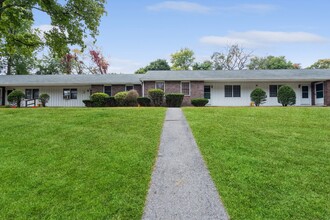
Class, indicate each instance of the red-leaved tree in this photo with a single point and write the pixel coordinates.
(101, 63)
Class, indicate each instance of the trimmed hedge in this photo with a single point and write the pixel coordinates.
(110, 102)
(258, 96)
(144, 101)
(120, 98)
(131, 98)
(156, 96)
(88, 103)
(174, 99)
(286, 96)
(199, 102)
(44, 98)
(16, 97)
(99, 99)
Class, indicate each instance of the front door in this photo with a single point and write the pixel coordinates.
(305, 95)
(207, 93)
(319, 93)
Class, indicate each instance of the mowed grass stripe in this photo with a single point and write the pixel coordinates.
(77, 163)
(267, 163)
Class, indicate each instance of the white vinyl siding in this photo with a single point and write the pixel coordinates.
(56, 95)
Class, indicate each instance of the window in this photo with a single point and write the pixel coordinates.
(107, 90)
(31, 93)
(185, 88)
(160, 85)
(129, 88)
(207, 92)
(70, 93)
(232, 91)
(305, 93)
(273, 89)
(319, 91)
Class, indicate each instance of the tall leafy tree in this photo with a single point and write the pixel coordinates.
(321, 64)
(72, 22)
(233, 58)
(206, 65)
(183, 59)
(271, 62)
(159, 64)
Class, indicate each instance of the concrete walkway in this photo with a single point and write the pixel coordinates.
(181, 186)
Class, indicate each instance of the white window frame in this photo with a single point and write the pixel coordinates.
(160, 82)
(232, 91)
(189, 87)
(319, 90)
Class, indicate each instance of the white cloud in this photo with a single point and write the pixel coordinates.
(262, 38)
(250, 8)
(183, 6)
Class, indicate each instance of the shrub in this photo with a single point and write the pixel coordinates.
(44, 98)
(144, 101)
(16, 97)
(110, 102)
(258, 96)
(199, 102)
(88, 103)
(156, 96)
(120, 98)
(131, 98)
(174, 99)
(99, 99)
(286, 96)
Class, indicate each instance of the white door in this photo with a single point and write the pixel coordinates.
(305, 95)
(208, 94)
(319, 93)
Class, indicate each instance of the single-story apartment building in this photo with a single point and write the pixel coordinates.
(222, 88)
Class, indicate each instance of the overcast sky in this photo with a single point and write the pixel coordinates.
(134, 33)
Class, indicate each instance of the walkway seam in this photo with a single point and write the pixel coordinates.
(181, 186)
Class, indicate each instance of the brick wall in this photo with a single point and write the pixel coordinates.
(197, 89)
(327, 93)
(117, 88)
(148, 86)
(97, 88)
(138, 88)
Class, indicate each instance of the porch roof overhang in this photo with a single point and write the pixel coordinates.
(304, 75)
(68, 80)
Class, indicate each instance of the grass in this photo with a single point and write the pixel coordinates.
(77, 163)
(267, 163)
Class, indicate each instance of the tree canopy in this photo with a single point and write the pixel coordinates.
(321, 64)
(206, 65)
(159, 64)
(270, 63)
(182, 59)
(72, 21)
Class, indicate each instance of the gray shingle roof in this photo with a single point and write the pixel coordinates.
(53, 80)
(239, 75)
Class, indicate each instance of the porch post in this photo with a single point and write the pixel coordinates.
(313, 93)
(327, 93)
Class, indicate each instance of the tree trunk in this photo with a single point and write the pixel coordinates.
(9, 65)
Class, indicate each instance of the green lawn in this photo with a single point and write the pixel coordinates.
(77, 163)
(267, 163)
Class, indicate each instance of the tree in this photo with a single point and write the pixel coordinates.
(155, 65)
(100, 62)
(206, 65)
(321, 64)
(72, 21)
(183, 59)
(16, 97)
(258, 96)
(286, 96)
(271, 62)
(49, 65)
(234, 58)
